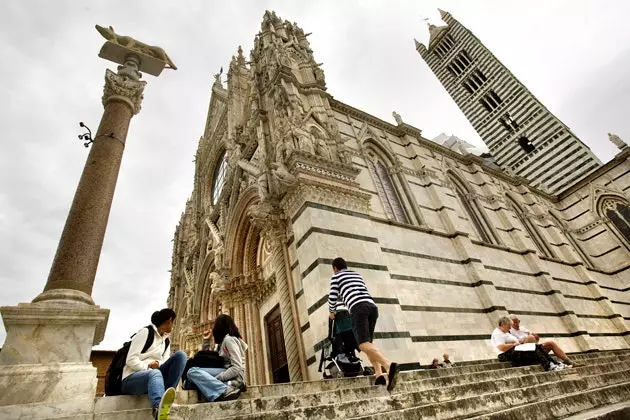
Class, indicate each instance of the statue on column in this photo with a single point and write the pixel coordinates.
(134, 46)
(616, 140)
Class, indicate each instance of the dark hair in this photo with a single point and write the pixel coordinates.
(160, 317)
(224, 325)
(339, 263)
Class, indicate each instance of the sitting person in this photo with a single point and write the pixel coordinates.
(525, 336)
(154, 371)
(222, 384)
(435, 364)
(447, 362)
(505, 344)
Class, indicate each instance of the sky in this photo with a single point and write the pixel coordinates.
(572, 54)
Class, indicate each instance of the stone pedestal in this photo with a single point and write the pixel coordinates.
(46, 369)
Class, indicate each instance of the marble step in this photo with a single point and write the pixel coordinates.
(603, 388)
(619, 411)
(603, 364)
(496, 369)
(605, 403)
(432, 379)
(313, 406)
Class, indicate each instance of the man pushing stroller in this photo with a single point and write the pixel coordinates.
(348, 287)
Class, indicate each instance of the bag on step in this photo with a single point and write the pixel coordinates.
(113, 378)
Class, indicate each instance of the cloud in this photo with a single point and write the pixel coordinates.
(567, 53)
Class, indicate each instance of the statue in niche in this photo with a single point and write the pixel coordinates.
(304, 139)
(189, 289)
(318, 73)
(616, 140)
(344, 154)
(321, 147)
(219, 251)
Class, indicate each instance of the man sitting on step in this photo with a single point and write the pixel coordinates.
(506, 344)
(525, 336)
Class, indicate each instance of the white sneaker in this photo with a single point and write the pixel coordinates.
(556, 367)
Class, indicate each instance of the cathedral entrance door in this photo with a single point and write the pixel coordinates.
(277, 350)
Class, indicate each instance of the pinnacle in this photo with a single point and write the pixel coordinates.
(442, 13)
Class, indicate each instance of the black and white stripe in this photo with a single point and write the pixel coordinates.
(347, 287)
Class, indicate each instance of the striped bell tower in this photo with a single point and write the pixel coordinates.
(524, 137)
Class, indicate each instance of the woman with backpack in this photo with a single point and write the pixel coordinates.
(222, 383)
(150, 368)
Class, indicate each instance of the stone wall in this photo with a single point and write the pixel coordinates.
(100, 360)
(439, 285)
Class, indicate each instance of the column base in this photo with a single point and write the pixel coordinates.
(45, 361)
(64, 390)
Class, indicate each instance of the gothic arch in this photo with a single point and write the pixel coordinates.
(530, 227)
(475, 212)
(379, 162)
(616, 212)
(240, 229)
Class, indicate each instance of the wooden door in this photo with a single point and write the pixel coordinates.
(277, 350)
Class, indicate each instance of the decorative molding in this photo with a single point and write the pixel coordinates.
(332, 195)
(597, 222)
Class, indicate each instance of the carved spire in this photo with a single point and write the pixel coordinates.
(443, 14)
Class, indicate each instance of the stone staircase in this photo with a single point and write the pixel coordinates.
(597, 388)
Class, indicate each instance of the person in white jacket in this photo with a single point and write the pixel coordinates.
(155, 371)
(222, 384)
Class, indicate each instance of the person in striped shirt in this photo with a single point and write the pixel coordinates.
(348, 288)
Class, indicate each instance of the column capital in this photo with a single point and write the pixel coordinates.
(121, 87)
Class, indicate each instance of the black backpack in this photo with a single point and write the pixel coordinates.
(113, 378)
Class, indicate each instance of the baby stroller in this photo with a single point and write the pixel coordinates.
(339, 353)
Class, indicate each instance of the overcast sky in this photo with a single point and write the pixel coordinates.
(574, 55)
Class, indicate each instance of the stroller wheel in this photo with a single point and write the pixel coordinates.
(368, 371)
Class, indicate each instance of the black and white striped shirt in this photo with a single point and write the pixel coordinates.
(347, 287)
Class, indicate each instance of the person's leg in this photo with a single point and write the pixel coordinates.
(550, 345)
(148, 381)
(361, 330)
(209, 386)
(173, 368)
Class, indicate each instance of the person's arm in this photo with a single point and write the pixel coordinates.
(133, 357)
(507, 346)
(233, 349)
(333, 296)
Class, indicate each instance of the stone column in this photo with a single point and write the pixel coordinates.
(288, 311)
(46, 370)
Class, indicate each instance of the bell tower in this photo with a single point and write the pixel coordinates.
(524, 137)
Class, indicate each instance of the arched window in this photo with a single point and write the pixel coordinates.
(219, 178)
(617, 211)
(474, 210)
(531, 228)
(385, 188)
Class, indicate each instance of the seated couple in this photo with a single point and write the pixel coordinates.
(151, 369)
(510, 334)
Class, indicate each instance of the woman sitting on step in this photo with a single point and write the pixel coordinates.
(226, 383)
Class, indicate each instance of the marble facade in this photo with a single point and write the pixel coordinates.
(288, 178)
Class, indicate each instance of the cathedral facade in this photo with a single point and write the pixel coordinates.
(287, 178)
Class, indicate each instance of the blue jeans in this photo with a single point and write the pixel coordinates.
(155, 381)
(204, 378)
